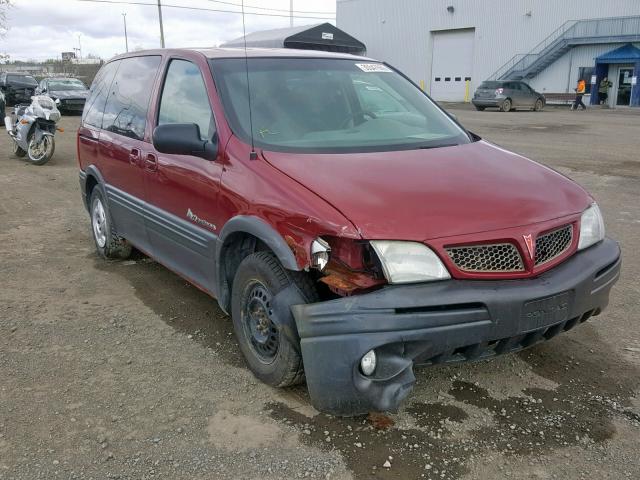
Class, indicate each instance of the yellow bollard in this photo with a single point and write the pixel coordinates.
(422, 85)
(466, 90)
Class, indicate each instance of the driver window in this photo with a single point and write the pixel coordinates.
(185, 100)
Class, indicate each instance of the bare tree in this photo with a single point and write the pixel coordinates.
(4, 6)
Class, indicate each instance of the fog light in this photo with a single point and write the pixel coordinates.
(368, 363)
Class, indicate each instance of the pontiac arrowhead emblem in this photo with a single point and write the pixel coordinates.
(528, 240)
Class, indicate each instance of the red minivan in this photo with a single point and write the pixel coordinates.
(349, 225)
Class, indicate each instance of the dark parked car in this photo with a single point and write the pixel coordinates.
(507, 96)
(350, 227)
(3, 103)
(68, 93)
(17, 87)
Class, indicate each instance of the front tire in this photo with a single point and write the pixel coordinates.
(263, 292)
(108, 244)
(479, 108)
(506, 105)
(41, 153)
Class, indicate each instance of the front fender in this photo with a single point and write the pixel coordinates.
(262, 230)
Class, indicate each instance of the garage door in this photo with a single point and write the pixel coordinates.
(452, 63)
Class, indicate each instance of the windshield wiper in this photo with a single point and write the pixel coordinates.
(426, 147)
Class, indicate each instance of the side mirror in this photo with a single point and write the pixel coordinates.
(184, 139)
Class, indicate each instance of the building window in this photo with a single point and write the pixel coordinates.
(458, 79)
(447, 79)
(584, 73)
(437, 79)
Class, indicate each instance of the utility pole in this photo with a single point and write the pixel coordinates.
(291, 13)
(126, 40)
(161, 27)
(79, 47)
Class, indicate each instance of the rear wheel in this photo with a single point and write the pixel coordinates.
(479, 108)
(17, 151)
(539, 105)
(263, 292)
(108, 243)
(41, 152)
(506, 105)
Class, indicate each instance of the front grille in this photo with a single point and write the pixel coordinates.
(498, 257)
(553, 244)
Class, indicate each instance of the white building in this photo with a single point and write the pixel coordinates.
(450, 46)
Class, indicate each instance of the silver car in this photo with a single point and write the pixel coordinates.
(507, 95)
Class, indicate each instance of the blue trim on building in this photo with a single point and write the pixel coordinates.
(625, 54)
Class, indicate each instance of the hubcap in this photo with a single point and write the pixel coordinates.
(262, 332)
(99, 222)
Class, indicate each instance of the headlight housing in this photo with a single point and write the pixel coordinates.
(407, 262)
(591, 227)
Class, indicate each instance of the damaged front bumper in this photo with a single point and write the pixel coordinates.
(448, 321)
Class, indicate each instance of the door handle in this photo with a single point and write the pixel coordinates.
(151, 162)
(134, 156)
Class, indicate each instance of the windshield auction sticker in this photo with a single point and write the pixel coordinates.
(373, 67)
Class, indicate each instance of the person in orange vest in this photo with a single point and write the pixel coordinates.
(580, 89)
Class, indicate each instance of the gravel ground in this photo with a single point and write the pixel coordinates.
(123, 370)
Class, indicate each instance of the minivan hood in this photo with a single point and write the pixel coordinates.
(424, 194)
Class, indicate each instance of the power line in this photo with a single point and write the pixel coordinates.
(184, 7)
(271, 9)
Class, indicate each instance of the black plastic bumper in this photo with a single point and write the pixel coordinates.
(454, 320)
(486, 102)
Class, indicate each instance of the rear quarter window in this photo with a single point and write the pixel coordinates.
(125, 111)
(94, 106)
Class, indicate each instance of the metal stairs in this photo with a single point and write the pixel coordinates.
(563, 39)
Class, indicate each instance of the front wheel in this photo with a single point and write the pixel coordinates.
(41, 152)
(263, 292)
(479, 108)
(506, 105)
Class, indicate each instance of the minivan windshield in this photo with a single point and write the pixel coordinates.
(330, 105)
(66, 84)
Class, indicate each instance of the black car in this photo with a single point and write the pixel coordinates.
(507, 95)
(68, 93)
(17, 87)
(3, 103)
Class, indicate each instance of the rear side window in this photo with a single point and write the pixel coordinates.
(184, 98)
(94, 106)
(125, 112)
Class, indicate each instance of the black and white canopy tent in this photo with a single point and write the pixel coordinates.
(323, 36)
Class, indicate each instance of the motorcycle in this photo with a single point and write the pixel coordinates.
(32, 128)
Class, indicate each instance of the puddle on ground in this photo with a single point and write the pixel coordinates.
(442, 437)
(180, 304)
(594, 386)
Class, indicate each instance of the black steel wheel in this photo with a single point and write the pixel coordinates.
(261, 299)
(258, 325)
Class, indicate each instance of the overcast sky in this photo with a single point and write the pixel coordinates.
(41, 29)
